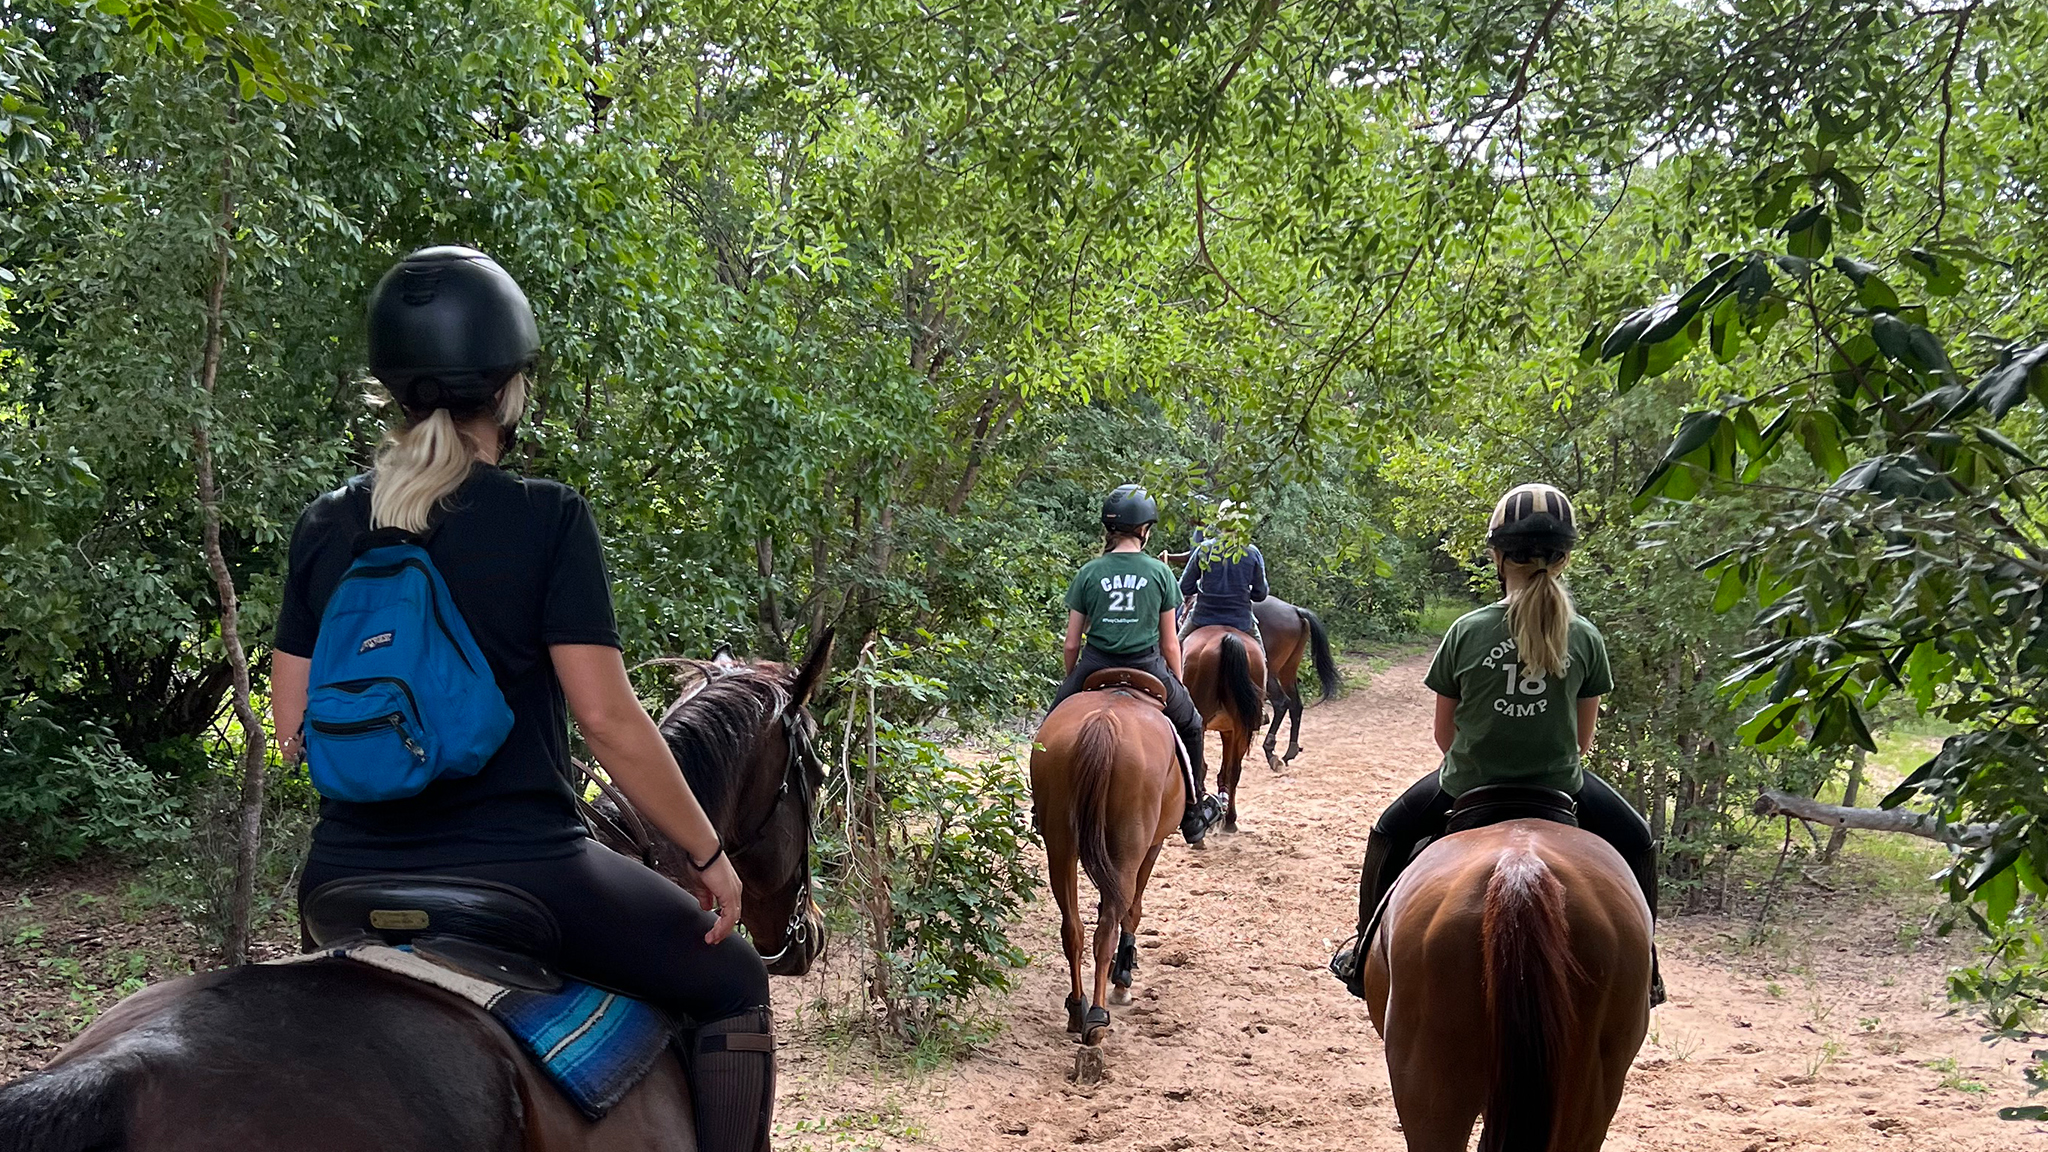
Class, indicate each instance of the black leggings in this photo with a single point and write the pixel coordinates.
(1424, 810)
(1180, 707)
(624, 926)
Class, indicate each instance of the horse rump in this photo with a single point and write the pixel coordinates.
(1319, 651)
(1529, 972)
(1239, 688)
(77, 1107)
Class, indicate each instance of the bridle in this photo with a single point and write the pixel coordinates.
(631, 828)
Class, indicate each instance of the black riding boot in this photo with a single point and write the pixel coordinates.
(1645, 869)
(1204, 808)
(732, 1082)
(1376, 875)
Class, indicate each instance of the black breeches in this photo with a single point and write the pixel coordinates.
(1424, 810)
(624, 926)
(1180, 707)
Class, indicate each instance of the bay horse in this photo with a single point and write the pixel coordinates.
(1105, 793)
(1226, 673)
(1291, 632)
(1510, 978)
(336, 1056)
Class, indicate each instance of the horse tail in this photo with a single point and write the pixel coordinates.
(1529, 972)
(1238, 686)
(1319, 649)
(1094, 764)
(75, 1107)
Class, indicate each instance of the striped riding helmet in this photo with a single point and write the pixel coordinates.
(1532, 522)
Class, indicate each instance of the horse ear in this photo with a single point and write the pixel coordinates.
(812, 673)
(723, 657)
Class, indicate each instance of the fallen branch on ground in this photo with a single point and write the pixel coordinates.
(1874, 819)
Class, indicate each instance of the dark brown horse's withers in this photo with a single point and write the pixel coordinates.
(332, 1056)
(1510, 978)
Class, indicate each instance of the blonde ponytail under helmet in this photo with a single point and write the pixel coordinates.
(423, 461)
(1532, 534)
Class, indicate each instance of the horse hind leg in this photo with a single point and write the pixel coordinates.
(1064, 868)
(1125, 969)
(1294, 707)
(1236, 745)
(1274, 691)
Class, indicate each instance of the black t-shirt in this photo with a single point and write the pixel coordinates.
(523, 563)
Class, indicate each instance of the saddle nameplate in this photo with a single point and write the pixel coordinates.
(398, 919)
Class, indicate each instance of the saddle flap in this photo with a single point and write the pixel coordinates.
(1500, 803)
(1143, 683)
(453, 917)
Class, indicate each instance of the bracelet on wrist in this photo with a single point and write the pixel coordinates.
(708, 861)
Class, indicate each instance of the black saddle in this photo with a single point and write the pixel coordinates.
(488, 930)
(1500, 803)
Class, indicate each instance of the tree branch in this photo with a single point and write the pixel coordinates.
(1774, 803)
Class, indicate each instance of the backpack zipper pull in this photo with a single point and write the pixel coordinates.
(397, 722)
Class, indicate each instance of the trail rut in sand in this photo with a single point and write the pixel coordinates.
(1240, 1039)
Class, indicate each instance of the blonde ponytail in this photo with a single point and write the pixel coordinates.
(423, 463)
(1539, 614)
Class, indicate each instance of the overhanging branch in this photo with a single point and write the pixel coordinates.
(1874, 819)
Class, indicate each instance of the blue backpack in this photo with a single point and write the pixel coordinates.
(400, 693)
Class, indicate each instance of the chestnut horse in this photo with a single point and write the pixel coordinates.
(1105, 792)
(335, 1056)
(1510, 978)
(1226, 671)
(1291, 632)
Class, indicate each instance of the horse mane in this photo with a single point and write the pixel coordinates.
(711, 730)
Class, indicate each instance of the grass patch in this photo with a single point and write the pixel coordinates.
(1440, 611)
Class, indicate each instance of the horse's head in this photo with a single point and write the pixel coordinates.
(745, 739)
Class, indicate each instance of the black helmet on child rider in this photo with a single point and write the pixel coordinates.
(1532, 522)
(448, 328)
(1129, 508)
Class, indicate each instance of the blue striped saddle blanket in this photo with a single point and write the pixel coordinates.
(595, 1045)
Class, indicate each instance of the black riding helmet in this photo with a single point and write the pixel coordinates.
(1129, 508)
(448, 328)
(1532, 522)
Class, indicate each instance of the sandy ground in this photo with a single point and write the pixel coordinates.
(1834, 1037)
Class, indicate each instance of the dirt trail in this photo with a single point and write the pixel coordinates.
(1240, 1039)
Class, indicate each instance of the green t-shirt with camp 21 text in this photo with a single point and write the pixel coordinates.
(1123, 594)
(1515, 727)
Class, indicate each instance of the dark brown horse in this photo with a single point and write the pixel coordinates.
(1510, 978)
(1226, 674)
(1105, 792)
(334, 1056)
(1291, 632)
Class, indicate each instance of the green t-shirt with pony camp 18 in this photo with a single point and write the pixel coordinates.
(1123, 594)
(1514, 727)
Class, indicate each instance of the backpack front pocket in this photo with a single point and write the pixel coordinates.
(364, 741)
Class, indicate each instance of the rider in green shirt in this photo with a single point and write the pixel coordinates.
(1120, 615)
(1518, 687)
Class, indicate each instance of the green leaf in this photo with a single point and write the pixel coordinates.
(1996, 863)
(1725, 331)
(1729, 593)
(2000, 390)
(1821, 435)
(2000, 893)
(1633, 362)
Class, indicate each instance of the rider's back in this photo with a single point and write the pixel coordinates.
(524, 567)
(1515, 725)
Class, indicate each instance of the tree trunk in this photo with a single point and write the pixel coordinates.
(249, 824)
(1849, 790)
(771, 608)
(1875, 819)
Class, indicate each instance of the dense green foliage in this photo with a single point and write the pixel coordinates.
(851, 312)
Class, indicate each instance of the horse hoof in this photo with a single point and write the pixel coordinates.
(1119, 996)
(1200, 845)
(1096, 1025)
(1088, 1067)
(1076, 1009)
(1230, 826)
